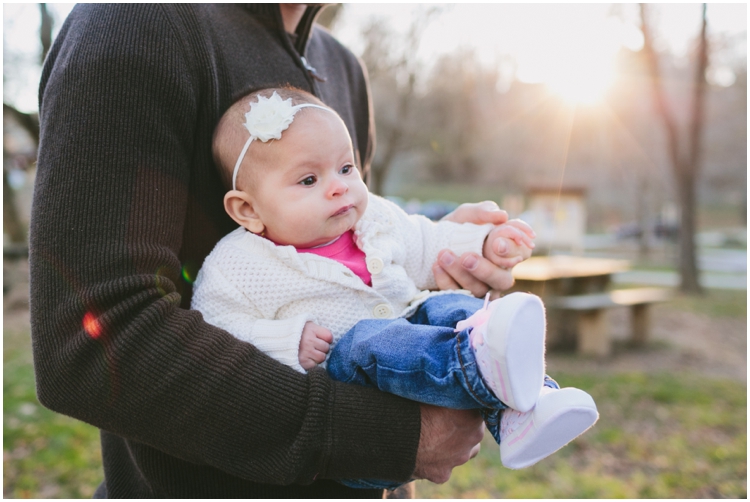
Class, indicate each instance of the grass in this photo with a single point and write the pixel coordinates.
(659, 436)
(714, 303)
(44, 454)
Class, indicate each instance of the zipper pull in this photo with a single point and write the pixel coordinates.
(312, 71)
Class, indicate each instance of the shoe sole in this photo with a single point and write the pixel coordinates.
(515, 340)
(549, 434)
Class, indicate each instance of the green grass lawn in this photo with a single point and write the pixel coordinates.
(44, 454)
(714, 303)
(658, 436)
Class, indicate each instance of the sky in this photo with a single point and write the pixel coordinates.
(545, 42)
(570, 47)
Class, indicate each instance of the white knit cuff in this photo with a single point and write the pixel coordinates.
(468, 237)
(280, 338)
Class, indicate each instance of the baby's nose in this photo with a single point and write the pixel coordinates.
(337, 187)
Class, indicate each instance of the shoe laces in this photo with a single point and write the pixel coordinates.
(511, 420)
(476, 322)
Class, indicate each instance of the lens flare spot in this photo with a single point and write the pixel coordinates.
(186, 275)
(91, 325)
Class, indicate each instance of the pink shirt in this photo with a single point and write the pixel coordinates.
(345, 251)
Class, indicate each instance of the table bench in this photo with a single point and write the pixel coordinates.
(592, 333)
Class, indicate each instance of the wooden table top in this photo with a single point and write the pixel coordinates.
(545, 268)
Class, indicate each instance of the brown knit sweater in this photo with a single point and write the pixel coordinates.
(127, 205)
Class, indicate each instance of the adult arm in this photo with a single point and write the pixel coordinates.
(112, 347)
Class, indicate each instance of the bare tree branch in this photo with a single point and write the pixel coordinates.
(699, 90)
(660, 98)
(45, 30)
(405, 66)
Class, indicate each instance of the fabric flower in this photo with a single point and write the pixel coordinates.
(269, 117)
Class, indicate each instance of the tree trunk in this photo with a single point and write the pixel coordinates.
(45, 30)
(11, 221)
(685, 161)
(642, 215)
(689, 172)
(398, 130)
(689, 282)
(380, 170)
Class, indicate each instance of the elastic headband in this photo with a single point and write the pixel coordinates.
(266, 120)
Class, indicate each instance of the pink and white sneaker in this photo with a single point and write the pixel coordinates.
(560, 415)
(508, 341)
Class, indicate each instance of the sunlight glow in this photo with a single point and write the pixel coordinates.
(571, 48)
(584, 83)
(576, 62)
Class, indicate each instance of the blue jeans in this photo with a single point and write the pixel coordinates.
(419, 358)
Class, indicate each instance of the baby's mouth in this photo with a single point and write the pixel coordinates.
(343, 210)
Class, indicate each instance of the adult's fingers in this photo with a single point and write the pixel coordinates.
(522, 225)
(479, 213)
(444, 281)
(461, 271)
(486, 273)
(448, 439)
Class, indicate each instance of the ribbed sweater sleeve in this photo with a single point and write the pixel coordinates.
(112, 347)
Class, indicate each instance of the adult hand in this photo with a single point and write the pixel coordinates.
(448, 438)
(471, 271)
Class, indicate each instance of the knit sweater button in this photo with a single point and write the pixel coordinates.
(374, 265)
(382, 311)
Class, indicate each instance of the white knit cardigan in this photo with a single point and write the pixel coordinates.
(264, 294)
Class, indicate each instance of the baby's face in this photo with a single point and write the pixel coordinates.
(308, 190)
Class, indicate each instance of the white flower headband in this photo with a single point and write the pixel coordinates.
(266, 120)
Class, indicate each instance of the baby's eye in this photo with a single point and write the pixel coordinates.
(347, 169)
(309, 181)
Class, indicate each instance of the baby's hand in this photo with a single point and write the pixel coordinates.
(314, 345)
(509, 244)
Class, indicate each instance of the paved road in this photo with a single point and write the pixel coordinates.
(719, 268)
(708, 279)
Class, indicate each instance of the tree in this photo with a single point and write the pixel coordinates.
(30, 123)
(684, 153)
(393, 66)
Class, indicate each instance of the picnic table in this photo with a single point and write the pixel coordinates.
(576, 291)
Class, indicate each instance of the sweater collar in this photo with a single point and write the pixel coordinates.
(270, 15)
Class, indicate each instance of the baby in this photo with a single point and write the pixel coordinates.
(321, 272)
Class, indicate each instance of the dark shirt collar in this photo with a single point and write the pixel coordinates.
(270, 15)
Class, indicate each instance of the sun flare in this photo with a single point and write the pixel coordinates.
(583, 85)
(576, 62)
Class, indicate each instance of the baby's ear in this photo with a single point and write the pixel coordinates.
(239, 205)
